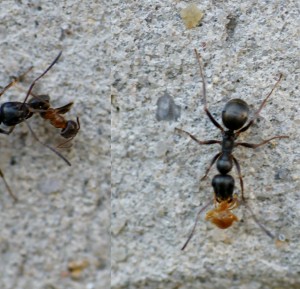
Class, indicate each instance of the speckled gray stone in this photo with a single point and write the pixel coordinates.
(156, 189)
(63, 213)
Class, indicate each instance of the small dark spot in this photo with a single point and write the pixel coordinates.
(13, 161)
(39, 8)
(167, 109)
(282, 174)
(231, 25)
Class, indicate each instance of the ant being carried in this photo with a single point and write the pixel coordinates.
(14, 112)
(234, 118)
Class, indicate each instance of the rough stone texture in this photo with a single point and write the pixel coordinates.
(63, 212)
(156, 173)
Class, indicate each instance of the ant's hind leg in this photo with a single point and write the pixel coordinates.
(263, 228)
(254, 146)
(238, 168)
(207, 142)
(8, 187)
(204, 93)
(211, 164)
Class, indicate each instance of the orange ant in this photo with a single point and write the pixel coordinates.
(221, 215)
(69, 128)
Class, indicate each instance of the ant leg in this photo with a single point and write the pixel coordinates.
(195, 224)
(8, 187)
(211, 164)
(238, 168)
(204, 94)
(63, 144)
(253, 146)
(260, 108)
(17, 79)
(7, 132)
(207, 142)
(263, 228)
(33, 83)
(49, 147)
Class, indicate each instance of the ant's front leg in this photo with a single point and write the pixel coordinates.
(254, 146)
(206, 142)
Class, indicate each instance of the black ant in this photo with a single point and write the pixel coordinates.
(234, 118)
(14, 112)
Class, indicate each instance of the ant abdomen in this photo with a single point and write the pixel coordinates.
(235, 114)
(70, 130)
(223, 187)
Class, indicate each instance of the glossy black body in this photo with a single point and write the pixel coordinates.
(234, 117)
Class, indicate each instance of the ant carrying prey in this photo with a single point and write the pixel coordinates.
(15, 112)
(234, 117)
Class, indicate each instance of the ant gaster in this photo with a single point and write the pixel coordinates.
(234, 117)
(14, 112)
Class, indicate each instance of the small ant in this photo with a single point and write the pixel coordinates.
(15, 112)
(234, 117)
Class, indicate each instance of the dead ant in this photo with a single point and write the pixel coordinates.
(14, 112)
(234, 117)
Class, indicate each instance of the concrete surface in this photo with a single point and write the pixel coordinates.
(156, 173)
(63, 213)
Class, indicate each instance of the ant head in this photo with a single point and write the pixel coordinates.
(235, 114)
(40, 102)
(221, 216)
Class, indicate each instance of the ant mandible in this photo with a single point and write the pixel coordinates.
(234, 117)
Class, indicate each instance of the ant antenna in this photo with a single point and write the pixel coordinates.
(33, 83)
(7, 187)
(204, 93)
(195, 224)
(46, 145)
(15, 80)
(256, 114)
